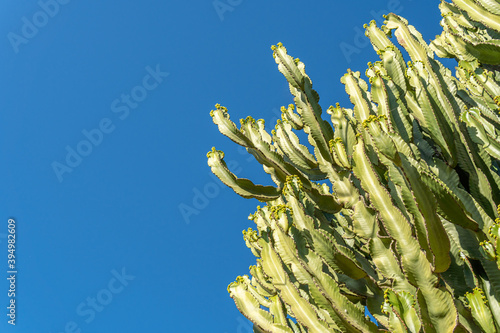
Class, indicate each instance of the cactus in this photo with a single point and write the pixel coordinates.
(394, 208)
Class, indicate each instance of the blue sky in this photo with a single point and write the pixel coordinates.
(104, 129)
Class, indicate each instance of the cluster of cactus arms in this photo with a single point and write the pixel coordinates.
(392, 206)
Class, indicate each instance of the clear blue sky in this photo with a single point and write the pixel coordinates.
(128, 86)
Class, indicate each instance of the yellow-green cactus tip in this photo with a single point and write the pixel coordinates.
(494, 230)
(280, 44)
(488, 250)
(273, 47)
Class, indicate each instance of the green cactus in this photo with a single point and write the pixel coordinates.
(409, 226)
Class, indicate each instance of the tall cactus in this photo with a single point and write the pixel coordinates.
(409, 226)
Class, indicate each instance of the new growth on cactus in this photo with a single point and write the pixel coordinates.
(408, 226)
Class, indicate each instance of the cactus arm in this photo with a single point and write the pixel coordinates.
(403, 306)
(292, 118)
(493, 302)
(250, 307)
(467, 156)
(277, 309)
(448, 202)
(289, 143)
(395, 67)
(391, 56)
(306, 100)
(480, 311)
(460, 277)
(364, 221)
(263, 286)
(466, 41)
(393, 220)
(415, 264)
(481, 134)
(491, 6)
(390, 105)
(479, 14)
(487, 52)
(425, 70)
(221, 118)
(379, 96)
(356, 88)
(241, 186)
(323, 246)
(438, 239)
(439, 78)
(313, 276)
(493, 274)
(472, 208)
(281, 169)
(387, 264)
(439, 132)
(396, 324)
(427, 325)
(344, 128)
(301, 308)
